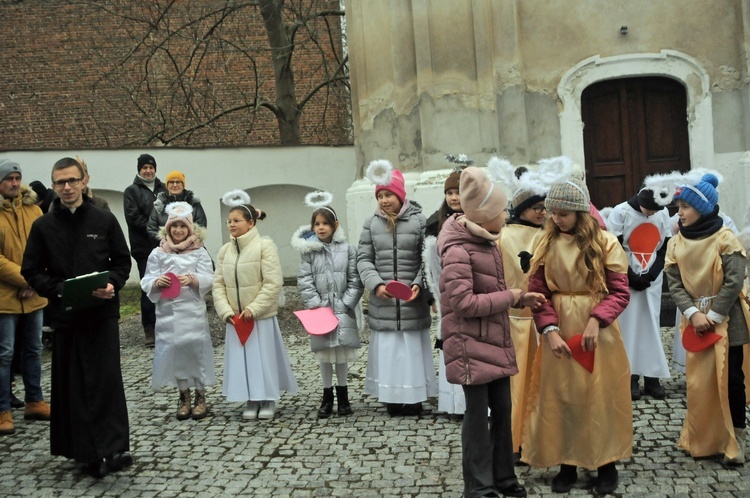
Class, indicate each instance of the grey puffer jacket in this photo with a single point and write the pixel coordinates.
(383, 256)
(328, 277)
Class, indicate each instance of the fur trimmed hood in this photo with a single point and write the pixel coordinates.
(28, 196)
(304, 240)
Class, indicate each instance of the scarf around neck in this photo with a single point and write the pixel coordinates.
(706, 226)
(191, 243)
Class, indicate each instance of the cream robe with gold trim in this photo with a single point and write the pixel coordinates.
(708, 428)
(513, 240)
(576, 417)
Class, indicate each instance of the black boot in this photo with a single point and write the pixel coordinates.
(635, 390)
(565, 479)
(653, 388)
(326, 406)
(412, 409)
(98, 468)
(342, 397)
(149, 336)
(606, 480)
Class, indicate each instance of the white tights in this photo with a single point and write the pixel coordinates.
(326, 371)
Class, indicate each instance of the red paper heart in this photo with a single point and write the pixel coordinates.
(174, 288)
(399, 289)
(243, 328)
(585, 358)
(694, 343)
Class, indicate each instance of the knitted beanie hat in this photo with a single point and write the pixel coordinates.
(702, 196)
(179, 211)
(396, 186)
(452, 181)
(481, 200)
(175, 175)
(7, 167)
(39, 189)
(570, 195)
(146, 159)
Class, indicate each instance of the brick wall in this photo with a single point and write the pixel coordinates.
(62, 88)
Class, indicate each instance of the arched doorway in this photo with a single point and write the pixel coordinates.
(633, 127)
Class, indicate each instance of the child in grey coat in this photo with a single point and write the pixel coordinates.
(328, 277)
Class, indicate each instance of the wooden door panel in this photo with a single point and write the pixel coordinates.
(633, 127)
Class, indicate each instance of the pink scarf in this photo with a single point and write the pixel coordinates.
(191, 243)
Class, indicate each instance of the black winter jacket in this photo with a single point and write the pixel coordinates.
(64, 245)
(138, 201)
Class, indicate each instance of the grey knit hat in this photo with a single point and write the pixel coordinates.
(7, 167)
(570, 195)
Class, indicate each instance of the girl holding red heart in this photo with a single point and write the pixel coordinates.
(578, 418)
(247, 285)
(183, 355)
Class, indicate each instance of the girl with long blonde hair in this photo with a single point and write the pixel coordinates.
(578, 417)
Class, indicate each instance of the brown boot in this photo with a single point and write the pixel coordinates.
(183, 411)
(6, 423)
(150, 338)
(36, 410)
(200, 411)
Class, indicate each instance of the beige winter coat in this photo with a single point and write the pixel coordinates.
(16, 217)
(248, 274)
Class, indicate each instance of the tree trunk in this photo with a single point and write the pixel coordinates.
(287, 111)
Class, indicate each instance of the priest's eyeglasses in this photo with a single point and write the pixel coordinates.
(70, 181)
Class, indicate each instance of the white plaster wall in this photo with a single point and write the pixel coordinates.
(733, 191)
(276, 178)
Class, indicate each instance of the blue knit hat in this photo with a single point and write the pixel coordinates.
(702, 196)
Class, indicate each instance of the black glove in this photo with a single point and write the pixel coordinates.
(439, 344)
(525, 258)
(638, 282)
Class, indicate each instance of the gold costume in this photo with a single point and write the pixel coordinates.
(513, 240)
(708, 428)
(576, 417)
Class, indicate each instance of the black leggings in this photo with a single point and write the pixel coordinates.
(736, 387)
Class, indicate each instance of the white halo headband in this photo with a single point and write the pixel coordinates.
(320, 200)
(583, 193)
(179, 209)
(697, 192)
(486, 197)
(236, 199)
(380, 172)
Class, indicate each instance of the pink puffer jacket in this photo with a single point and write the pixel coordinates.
(474, 305)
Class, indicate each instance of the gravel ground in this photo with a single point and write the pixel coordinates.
(131, 332)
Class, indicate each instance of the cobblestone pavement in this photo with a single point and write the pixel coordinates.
(296, 455)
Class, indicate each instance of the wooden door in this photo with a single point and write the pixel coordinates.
(633, 127)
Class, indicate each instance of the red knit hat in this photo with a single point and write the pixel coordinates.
(396, 186)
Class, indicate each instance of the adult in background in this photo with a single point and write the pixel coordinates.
(176, 192)
(138, 202)
(44, 195)
(90, 421)
(20, 305)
